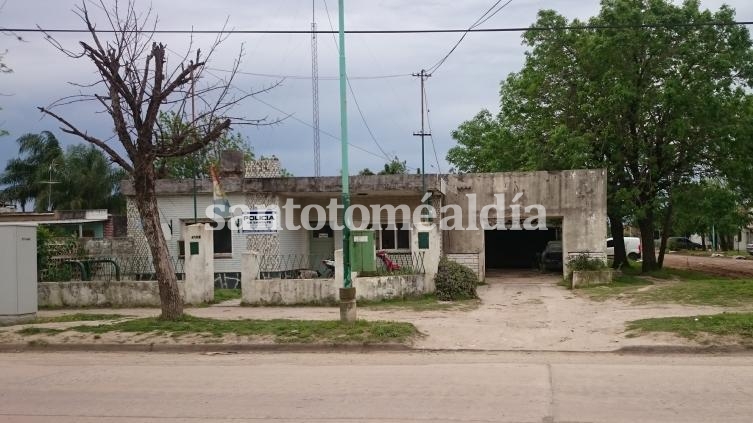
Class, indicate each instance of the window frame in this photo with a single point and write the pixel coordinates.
(182, 245)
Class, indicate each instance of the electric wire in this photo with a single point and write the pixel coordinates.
(388, 31)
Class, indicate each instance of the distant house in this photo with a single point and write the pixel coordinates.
(95, 224)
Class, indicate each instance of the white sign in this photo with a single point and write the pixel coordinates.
(261, 222)
(361, 238)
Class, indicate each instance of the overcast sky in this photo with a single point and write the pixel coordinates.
(467, 82)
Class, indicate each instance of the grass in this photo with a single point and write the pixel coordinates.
(225, 294)
(281, 331)
(39, 331)
(78, 317)
(726, 324)
(424, 303)
(714, 292)
(674, 286)
(622, 285)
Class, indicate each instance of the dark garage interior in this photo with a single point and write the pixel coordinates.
(516, 249)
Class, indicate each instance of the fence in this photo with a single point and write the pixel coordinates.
(410, 262)
(63, 260)
(296, 266)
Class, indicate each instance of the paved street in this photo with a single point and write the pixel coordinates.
(509, 387)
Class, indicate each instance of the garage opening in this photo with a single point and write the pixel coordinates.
(518, 249)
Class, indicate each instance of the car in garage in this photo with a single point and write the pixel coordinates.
(750, 249)
(551, 257)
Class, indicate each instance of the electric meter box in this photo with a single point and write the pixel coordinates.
(18, 273)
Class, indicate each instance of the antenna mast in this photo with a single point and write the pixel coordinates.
(315, 91)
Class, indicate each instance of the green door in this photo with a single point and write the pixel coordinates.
(362, 252)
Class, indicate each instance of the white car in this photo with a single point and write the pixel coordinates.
(750, 249)
(632, 247)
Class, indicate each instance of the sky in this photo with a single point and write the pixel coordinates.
(465, 84)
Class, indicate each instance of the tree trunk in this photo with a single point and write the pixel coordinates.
(618, 237)
(703, 242)
(646, 225)
(146, 201)
(666, 231)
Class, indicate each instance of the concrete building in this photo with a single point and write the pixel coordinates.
(575, 203)
(95, 224)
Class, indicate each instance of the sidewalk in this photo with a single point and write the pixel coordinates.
(519, 311)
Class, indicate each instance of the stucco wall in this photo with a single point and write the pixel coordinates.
(100, 294)
(578, 197)
(325, 291)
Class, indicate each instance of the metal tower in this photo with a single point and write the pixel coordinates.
(315, 91)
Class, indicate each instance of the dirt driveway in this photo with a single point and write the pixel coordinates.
(723, 266)
(520, 310)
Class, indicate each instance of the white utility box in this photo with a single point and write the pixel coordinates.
(18, 273)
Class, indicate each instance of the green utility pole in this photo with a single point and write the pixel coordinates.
(348, 283)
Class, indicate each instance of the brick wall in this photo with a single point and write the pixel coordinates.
(470, 261)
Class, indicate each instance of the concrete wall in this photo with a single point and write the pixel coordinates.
(579, 197)
(100, 294)
(325, 291)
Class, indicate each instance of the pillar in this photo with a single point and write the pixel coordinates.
(199, 264)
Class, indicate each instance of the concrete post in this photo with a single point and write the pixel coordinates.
(432, 255)
(199, 264)
(348, 311)
(250, 267)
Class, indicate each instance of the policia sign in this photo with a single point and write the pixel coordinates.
(261, 222)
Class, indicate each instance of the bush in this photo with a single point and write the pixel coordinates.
(583, 262)
(455, 281)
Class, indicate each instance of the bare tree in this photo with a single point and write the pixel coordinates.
(134, 84)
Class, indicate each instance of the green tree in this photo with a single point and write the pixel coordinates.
(653, 105)
(394, 167)
(701, 206)
(88, 181)
(197, 163)
(25, 176)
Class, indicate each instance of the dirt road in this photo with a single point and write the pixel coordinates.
(722, 266)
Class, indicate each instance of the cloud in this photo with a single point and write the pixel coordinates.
(468, 82)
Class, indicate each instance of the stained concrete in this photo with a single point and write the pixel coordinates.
(100, 294)
(578, 197)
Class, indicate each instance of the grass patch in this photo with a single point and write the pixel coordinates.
(621, 285)
(78, 317)
(726, 324)
(224, 294)
(715, 292)
(424, 303)
(39, 331)
(668, 273)
(282, 331)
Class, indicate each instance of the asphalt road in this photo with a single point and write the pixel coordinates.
(390, 387)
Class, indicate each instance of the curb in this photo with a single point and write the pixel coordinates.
(205, 348)
(360, 348)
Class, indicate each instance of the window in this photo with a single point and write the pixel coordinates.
(222, 240)
(396, 237)
(610, 243)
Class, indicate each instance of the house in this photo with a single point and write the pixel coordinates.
(95, 224)
(470, 231)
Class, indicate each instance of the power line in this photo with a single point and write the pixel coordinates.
(485, 17)
(353, 93)
(307, 77)
(431, 132)
(390, 31)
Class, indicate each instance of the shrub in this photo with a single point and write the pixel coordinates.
(455, 281)
(584, 262)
